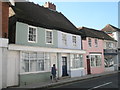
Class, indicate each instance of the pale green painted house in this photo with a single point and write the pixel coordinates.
(38, 38)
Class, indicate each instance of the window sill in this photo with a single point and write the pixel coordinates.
(77, 68)
(96, 66)
(32, 41)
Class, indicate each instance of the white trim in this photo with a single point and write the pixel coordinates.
(81, 68)
(95, 54)
(46, 34)
(28, 34)
(33, 72)
(43, 49)
(4, 42)
(95, 61)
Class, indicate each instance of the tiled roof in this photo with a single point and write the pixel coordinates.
(88, 32)
(36, 15)
(109, 27)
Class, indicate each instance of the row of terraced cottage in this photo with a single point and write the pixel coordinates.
(39, 36)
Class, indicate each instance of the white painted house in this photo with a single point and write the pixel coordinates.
(39, 40)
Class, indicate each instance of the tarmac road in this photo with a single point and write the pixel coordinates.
(108, 81)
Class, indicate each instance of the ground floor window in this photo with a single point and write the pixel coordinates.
(95, 60)
(35, 61)
(76, 61)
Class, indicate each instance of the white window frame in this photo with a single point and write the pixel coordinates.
(90, 43)
(74, 43)
(96, 42)
(46, 36)
(37, 59)
(64, 40)
(95, 65)
(28, 34)
(73, 61)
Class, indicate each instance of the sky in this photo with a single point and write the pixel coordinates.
(89, 14)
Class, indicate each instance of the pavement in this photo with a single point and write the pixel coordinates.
(43, 85)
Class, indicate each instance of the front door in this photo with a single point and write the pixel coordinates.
(64, 66)
(88, 66)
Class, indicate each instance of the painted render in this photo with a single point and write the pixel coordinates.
(22, 29)
(57, 51)
(69, 41)
(17, 77)
(93, 50)
(111, 53)
(3, 62)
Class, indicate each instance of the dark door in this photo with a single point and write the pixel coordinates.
(88, 66)
(64, 66)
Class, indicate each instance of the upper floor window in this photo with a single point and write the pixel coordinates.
(74, 40)
(49, 37)
(64, 39)
(89, 42)
(109, 44)
(32, 34)
(96, 42)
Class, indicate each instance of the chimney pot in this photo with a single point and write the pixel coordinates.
(50, 5)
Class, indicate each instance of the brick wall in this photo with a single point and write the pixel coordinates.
(5, 17)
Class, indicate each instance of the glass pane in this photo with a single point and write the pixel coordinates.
(26, 68)
(33, 65)
(40, 55)
(40, 65)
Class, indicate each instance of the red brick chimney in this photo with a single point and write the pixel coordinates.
(4, 19)
(50, 5)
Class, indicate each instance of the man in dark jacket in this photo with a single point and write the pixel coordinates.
(53, 72)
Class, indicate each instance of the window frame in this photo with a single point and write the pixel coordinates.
(74, 59)
(47, 30)
(74, 43)
(46, 61)
(63, 40)
(96, 42)
(28, 34)
(96, 64)
(90, 43)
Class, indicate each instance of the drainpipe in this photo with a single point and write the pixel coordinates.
(58, 65)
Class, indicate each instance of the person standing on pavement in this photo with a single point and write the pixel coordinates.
(53, 72)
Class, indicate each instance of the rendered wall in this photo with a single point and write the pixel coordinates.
(13, 68)
(69, 41)
(26, 79)
(93, 49)
(22, 29)
(3, 62)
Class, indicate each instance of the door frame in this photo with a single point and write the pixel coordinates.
(88, 65)
(65, 72)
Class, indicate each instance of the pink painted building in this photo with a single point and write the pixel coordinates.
(93, 44)
(95, 54)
